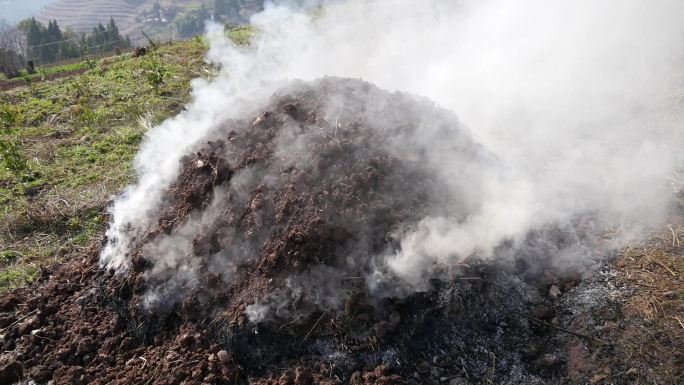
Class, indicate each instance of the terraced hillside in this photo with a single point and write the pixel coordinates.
(81, 15)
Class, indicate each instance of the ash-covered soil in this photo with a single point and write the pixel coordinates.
(257, 270)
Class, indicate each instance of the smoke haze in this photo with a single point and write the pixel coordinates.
(578, 101)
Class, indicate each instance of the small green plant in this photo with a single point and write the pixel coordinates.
(199, 39)
(155, 71)
(84, 53)
(83, 94)
(17, 276)
(10, 153)
(240, 34)
(8, 257)
(26, 77)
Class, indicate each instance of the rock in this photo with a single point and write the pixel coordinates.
(197, 374)
(27, 325)
(223, 356)
(172, 356)
(41, 374)
(186, 340)
(11, 372)
(212, 280)
(85, 346)
(569, 285)
(554, 291)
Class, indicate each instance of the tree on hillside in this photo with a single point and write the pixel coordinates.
(55, 40)
(34, 37)
(192, 22)
(103, 39)
(12, 49)
(50, 44)
(113, 30)
(12, 38)
(68, 48)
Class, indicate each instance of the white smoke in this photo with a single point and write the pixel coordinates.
(577, 100)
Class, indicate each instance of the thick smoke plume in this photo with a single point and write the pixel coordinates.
(577, 103)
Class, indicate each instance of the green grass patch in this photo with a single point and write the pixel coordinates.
(240, 35)
(78, 135)
(16, 276)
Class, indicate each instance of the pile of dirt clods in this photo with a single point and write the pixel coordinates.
(257, 268)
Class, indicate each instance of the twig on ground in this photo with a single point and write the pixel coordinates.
(17, 321)
(313, 328)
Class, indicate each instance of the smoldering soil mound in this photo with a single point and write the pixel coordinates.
(299, 198)
(256, 269)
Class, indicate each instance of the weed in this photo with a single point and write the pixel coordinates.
(155, 71)
(240, 35)
(12, 158)
(15, 276)
(8, 257)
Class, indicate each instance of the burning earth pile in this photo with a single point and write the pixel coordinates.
(271, 261)
(310, 192)
(329, 231)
